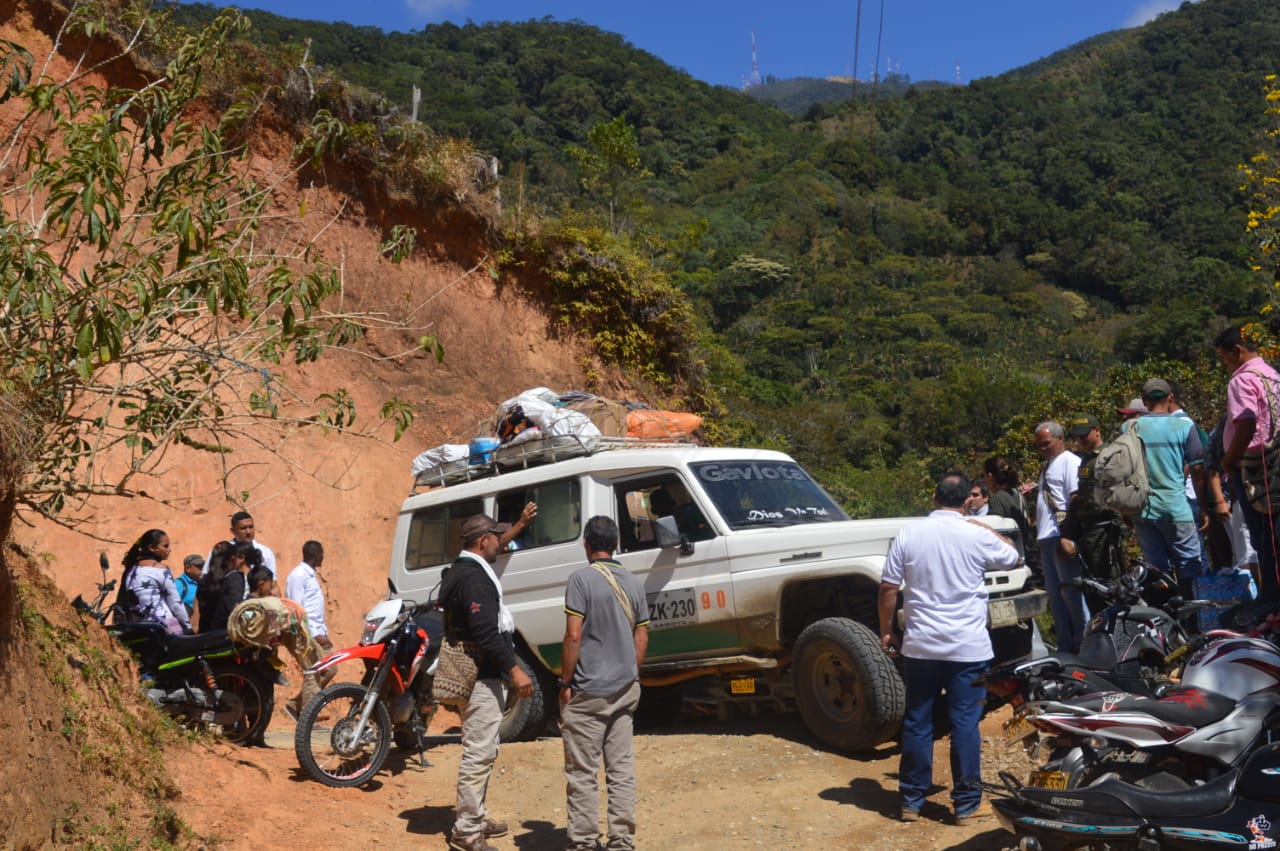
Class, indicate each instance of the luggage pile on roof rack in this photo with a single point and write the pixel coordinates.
(541, 426)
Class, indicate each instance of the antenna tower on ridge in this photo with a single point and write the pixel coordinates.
(755, 65)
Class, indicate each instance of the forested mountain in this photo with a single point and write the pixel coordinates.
(888, 285)
(797, 95)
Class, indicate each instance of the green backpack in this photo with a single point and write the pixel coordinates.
(1120, 474)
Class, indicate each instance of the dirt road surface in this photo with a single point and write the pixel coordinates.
(751, 783)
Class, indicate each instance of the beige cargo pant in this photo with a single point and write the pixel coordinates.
(308, 652)
(481, 718)
(591, 728)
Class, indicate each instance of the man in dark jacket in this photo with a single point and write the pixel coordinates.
(472, 600)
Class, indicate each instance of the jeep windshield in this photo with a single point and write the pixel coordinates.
(765, 493)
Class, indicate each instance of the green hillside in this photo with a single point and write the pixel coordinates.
(888, 286)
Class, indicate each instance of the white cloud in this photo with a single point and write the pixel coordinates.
(1148, 10)
(434, 8)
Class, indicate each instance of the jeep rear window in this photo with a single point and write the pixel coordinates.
(435, 534)
(559, 513)
(765, 493)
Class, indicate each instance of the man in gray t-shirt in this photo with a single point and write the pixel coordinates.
(605, 639)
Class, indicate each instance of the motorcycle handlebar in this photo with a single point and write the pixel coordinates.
(1109, 589)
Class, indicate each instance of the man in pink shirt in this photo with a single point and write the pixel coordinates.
(1248, 426)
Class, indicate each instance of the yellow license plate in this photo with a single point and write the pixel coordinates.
(742, 685)
(1048, 779)
(1016, 729)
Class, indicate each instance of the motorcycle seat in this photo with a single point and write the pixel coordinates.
(191, 645)
(1203, 800)
(1185, 706)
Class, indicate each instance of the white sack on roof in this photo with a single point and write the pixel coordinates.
(445, 453)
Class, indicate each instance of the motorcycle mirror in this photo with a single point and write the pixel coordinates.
(103, 563)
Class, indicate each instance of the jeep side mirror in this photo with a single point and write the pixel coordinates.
(668, 534)
(666, 531)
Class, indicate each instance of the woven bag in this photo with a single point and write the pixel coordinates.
(456, 672)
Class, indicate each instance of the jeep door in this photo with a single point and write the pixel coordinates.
(688, 586)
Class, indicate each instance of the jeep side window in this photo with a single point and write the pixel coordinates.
(559, 513)
(640, 502)
(435, 534)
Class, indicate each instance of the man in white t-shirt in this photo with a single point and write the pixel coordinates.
(1058, 481)
(940, 564)
(243, 529)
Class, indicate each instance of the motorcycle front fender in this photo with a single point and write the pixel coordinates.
(370, 652)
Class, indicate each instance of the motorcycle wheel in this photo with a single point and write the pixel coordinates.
(247, 702)
(325, 741)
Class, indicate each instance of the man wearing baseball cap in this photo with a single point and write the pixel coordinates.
(471, 598)
(1089, 530)
(1171, 446)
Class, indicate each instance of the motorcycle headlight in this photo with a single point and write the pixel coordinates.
(371, 628)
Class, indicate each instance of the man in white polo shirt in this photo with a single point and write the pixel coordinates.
(939, 563)
(303, 587)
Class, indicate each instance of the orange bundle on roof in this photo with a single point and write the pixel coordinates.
(657, 425)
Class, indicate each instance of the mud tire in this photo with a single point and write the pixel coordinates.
(847, 689)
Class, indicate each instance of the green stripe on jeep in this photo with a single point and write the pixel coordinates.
(669, 642)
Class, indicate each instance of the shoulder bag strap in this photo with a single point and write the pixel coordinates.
(1271, 405)
(623, 599)
(1046, 490)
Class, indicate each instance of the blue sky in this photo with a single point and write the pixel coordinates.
(924, 39)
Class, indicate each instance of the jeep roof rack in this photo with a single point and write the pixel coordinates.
(533, 453)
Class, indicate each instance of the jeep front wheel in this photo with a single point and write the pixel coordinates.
(847, 689)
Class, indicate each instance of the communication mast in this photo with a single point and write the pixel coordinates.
(958, 81)
(754, 80)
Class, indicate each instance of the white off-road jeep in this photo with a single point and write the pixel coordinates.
(757, 581)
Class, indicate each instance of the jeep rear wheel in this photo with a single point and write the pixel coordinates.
(847, 689)
(526, 717)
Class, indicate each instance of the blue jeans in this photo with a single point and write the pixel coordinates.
(1172, 543)
(1205, 565)
(925, 680)
(1065, 601)
(1263, 535)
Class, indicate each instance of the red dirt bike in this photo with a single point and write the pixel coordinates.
(345, 732)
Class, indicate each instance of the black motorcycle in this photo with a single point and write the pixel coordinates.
(1135, 645)
(202, 680)
(1237, 810)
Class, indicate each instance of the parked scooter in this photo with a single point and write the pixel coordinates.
(1227, 705)
(345, 731)
(1237, 810)
(1134, 645)
(202, 679)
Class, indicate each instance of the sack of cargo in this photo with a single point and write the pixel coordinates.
(608, 416)
(660, 425)
(522, 412)
(540, 409)
(434, 459)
